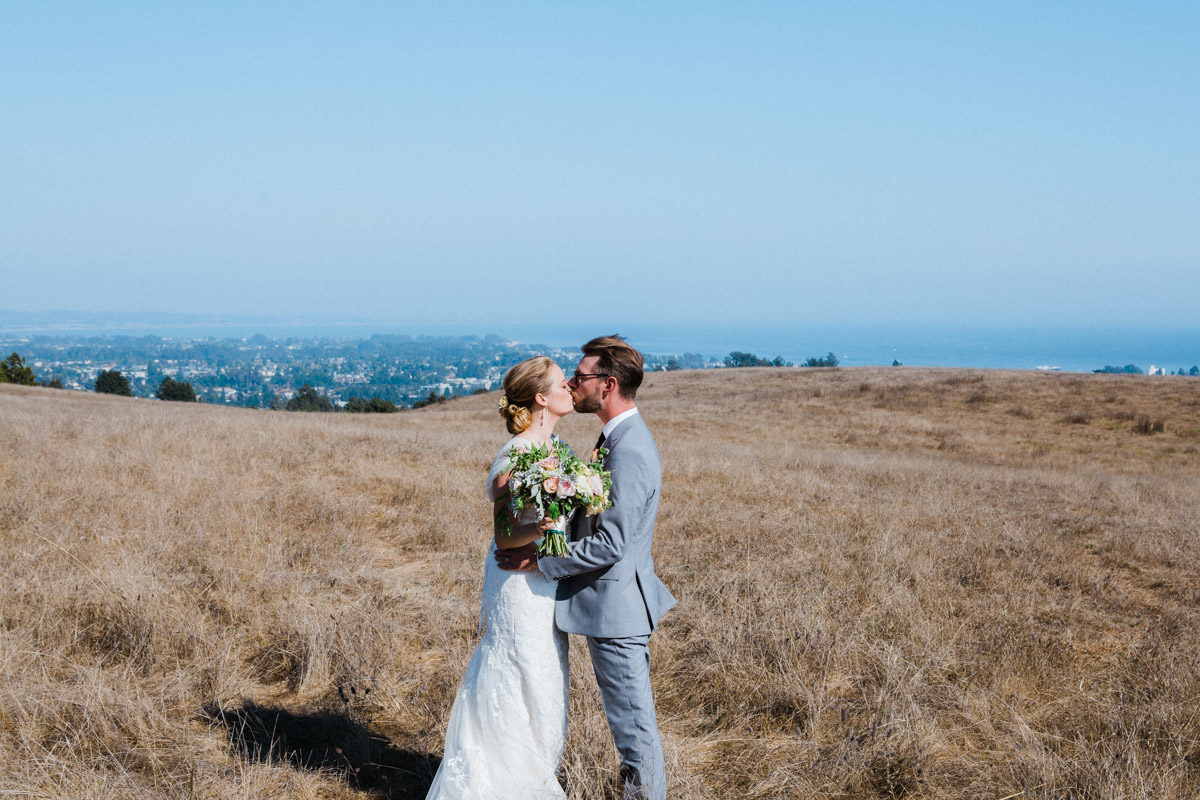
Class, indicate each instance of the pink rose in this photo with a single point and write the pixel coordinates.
(596, 484)
(550, 462)
(566, 488)
(550, 485)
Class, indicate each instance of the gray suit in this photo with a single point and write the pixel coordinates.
(608, 592)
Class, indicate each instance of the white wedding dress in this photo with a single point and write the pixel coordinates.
(508, 724)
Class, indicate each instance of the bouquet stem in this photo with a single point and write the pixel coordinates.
(554, 541)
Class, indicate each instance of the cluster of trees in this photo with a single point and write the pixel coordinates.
(180, 391)
(309, 399)
(830, 360)
(376, 405)
(112, 381)
(739, 359)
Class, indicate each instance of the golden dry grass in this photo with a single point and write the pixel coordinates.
(893, 583)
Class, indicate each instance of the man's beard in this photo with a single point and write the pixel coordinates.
(586, 404)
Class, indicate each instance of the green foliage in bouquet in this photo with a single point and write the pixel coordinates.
(554, 482)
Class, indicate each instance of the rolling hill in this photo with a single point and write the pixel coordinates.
(893, 582)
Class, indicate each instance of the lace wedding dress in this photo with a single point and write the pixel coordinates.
(508, 724)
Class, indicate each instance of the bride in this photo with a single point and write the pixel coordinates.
(509, 720)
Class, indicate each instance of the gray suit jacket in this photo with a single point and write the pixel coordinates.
(607, 586)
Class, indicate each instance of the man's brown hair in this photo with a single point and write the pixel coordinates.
(618, 359)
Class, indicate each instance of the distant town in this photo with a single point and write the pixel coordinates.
(383, 372)
(263, 372)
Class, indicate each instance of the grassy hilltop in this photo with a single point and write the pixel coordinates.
(893, 583)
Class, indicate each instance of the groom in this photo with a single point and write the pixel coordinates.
(607, 588)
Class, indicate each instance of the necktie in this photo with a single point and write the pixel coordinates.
(599, 441)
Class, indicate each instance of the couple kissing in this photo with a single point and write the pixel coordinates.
(508, 724)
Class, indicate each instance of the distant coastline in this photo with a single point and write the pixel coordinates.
(982, 345)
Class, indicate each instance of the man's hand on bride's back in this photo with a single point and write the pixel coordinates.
(518, 559)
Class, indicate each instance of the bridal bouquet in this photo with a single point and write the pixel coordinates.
(555, 482)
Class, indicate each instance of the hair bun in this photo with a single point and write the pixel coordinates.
(519, 417)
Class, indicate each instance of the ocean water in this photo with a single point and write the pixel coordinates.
(1072, 349)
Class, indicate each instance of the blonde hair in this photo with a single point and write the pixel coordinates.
(521, 385)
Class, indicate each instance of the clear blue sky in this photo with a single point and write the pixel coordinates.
(604, 162)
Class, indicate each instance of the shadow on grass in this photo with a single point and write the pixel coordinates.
(326, 740)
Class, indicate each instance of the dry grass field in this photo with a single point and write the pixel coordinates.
(893, 582)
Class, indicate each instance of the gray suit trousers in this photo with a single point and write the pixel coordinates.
(622, 669)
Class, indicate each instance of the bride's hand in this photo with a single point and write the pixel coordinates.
(550, 524)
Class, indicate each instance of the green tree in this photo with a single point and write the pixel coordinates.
(111, 381)
(307, 399)
(672, 365)
(830, 360)
(13, 370)
(376, 405)
(738, 359)
(181, 391)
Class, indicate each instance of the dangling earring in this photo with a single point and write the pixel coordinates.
(542, 421)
